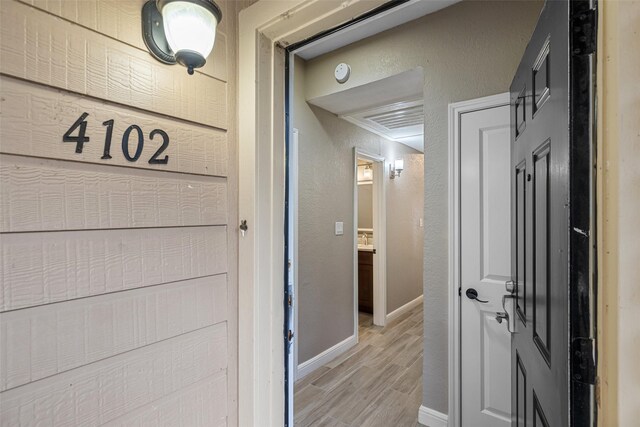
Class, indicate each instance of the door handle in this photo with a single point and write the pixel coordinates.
(473, 294)
(507, 313)
(501, 315)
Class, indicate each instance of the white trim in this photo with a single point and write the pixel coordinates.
(365, 230)
(293, 243)
(380, 239)
(355, 243)
(432, 418)
(455, 112)
(305, 368)
(407, 307)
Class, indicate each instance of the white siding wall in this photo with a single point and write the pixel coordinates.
(117, 278)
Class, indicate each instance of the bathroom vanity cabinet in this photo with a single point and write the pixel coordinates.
(365, 281)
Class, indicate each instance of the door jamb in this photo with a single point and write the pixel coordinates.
(455, 114)
(380, 238)
(293, 242)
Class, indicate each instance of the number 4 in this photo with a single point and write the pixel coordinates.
(80, 139)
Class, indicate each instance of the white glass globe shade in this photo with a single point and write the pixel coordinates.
(189, 27)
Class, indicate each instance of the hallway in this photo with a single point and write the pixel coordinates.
(376, 383)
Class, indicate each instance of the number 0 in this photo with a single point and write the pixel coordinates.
(125, 143)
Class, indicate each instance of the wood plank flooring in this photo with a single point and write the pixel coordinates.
(378, 383)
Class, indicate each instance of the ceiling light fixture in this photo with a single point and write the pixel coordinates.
(180, 31)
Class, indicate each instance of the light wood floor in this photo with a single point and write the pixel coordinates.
(376, 383)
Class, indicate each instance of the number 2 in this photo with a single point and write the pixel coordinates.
(154, 160)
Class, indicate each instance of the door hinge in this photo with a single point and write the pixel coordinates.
(583, 363)
(584, 38)
(290, 300)
(290, 335)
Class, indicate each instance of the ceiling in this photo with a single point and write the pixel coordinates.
(391, 18)
(390, 107)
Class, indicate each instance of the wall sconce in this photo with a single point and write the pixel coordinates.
(396, 168)
(180, 31)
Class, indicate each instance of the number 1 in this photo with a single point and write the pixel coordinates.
(107, 140)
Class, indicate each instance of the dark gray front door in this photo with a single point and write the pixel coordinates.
(551, 97)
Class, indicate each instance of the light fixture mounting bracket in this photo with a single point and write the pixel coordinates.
(153, 34)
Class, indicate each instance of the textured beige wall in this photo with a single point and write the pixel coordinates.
(405, 236)
(619, 213)
(325, 274)
(467, 51)
(118, 294)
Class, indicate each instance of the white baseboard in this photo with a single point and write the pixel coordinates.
(305, 368)
(407, 307)
(432, 418)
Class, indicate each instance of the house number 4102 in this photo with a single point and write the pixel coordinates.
(80, 126)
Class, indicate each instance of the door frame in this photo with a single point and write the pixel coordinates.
(380, 238)
(265, 28)
(456, 110)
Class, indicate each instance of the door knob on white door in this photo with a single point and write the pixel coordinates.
(510, 286)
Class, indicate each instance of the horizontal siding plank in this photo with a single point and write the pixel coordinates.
(44, 195)
(58, 337)
(103, 391)
(202, 405)
(121, 20)
(39, 47)
(33, 119)
(43, 268)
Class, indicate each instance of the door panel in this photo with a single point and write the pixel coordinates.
(495, 361)
(521, 388)
(521, 241)
(543, 105)
(485, 266)
(541, 303)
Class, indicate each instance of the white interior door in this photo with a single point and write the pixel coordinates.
(485, 266)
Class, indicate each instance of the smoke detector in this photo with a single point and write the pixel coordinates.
(342, 73)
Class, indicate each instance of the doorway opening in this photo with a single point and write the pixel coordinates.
(356, 187)
(369, 269)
